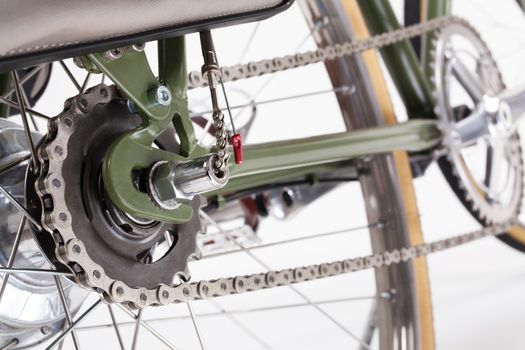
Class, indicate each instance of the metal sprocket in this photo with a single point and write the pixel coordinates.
(110, 244)
(483, 198)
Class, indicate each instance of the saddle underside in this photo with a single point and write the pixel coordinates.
(38, 30)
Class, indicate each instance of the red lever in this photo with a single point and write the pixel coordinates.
(236, 141)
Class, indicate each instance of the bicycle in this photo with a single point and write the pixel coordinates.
(113, 191)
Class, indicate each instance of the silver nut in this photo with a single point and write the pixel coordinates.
(162, 186)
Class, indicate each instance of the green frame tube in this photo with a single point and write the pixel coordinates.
(267, 163)
(276, 161)
(400, 59)
(434, 9)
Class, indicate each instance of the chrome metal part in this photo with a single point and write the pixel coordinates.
(161, 95)
(113, 54)
(110, 250)
(20, 287)
(393, 252)
(172, 183)
(463, 66)
(396, 321)
(213, 76)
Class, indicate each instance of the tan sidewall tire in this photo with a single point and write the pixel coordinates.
(402, 165)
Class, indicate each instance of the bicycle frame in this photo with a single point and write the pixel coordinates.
(412, 83)
(268, 163)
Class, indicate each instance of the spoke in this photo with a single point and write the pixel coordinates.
(35, 272)
(343, 89)
(249, 42)
(70, 75)
(371, 327)
(138, 319)
(25, 79)
(293, 288)
(240, 325)
(20, 207)
(69, 319)
(243, 311)
(471, 83)
(292, 240)
(10, 163)
(149, 328)
(10, 345)
(115, 326)
(195, 325)
(72, 326)
(85, 83)
(16, 105)
(318, 25)
(31, 116)
(12, 255)
(23, 113)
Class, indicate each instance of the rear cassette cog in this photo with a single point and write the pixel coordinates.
(491, 193)
(102, 245)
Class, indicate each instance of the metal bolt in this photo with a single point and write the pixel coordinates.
(138, 47)
(162, 95)
(113, 54)
(78, 62)
(77, 249)
(45, 329)
(131, 107)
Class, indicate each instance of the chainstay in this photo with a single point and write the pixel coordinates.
(282, 63)
(71, 250)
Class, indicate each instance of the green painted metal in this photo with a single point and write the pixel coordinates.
(132, 74)
(174, 76)
(271, 162)
(434, 9)
(5, 86)
(400, 59)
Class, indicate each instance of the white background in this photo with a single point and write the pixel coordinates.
(477, 290)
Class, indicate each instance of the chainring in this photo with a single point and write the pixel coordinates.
(454, 167)
(86, 234)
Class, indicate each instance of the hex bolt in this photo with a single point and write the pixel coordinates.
(161, 95)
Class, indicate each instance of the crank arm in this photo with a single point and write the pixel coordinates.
(515, 99)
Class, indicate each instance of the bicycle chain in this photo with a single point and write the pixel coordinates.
(279, 64)
(71, 251)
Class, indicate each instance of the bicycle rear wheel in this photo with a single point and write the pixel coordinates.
(388, 178)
